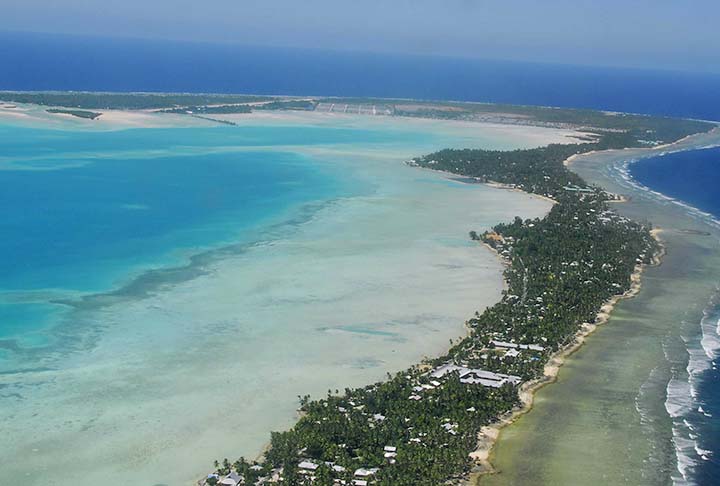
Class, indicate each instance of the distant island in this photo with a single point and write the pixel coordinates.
(618, 129)
(90, 115)
(564, 272)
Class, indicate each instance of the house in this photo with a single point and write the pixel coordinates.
(232, 479)
(478, 377)
(487, 378)
(504, 344)
(307, 466)
(445, 369)
(365, 473)
(574, 188)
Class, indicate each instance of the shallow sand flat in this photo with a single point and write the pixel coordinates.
(606, 420)
(206, 368)
(460, 130)
(37, 116)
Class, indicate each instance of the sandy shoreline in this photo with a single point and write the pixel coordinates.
(495, 185)
(128, 119)
(690, 142)
(489, 434)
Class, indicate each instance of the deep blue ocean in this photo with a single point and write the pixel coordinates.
(53, 62)
(693, 177)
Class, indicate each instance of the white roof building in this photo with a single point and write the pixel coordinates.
(505, 344)
(365, 473)
(308, 465)
(470, 376)
(231, 479)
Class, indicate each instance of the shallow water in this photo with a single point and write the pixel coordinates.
(170, 340)
(619, 410)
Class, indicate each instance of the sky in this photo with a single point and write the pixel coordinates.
(666, 34)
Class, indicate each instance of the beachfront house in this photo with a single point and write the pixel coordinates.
(232, 479)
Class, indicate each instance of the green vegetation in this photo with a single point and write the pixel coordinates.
(299, 105)
(638, 130)
(203, 104)
(91, 115)
(641, 127)
(125, 101)
(210, 110)
(644, 130)
(539, 170)
(419, 426)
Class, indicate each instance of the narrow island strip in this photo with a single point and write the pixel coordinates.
(89, 115)
(435, 423)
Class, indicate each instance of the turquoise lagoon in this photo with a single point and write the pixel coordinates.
(88, 211)
(166, 293)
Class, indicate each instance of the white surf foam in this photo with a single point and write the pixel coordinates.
(710, 341)
(685, 452)
(620, 173)
(702, 349)
(679, 398)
